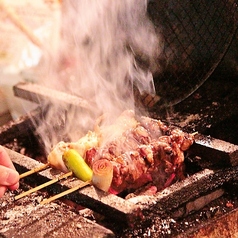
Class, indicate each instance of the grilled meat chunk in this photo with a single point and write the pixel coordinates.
(149, 152)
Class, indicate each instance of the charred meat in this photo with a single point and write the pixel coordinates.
(149, 152)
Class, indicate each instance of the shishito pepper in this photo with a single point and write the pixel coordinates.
(75, 163)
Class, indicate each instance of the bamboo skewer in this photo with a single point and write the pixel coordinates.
(32, 171)
(20, 24)
(43, 185)
(194, 133)
(65, 192)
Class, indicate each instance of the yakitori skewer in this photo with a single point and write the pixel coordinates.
(35, 170)
(101, 177)
(43, 185)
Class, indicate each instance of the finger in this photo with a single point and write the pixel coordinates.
(5, 159)
(3, 189)
(14, 186)
(8, 177)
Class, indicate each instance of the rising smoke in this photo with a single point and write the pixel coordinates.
(106, 48)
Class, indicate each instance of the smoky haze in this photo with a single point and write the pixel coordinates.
(105, 48)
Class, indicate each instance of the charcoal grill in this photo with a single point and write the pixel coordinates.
(205, 203)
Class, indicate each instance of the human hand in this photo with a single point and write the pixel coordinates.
(9, 177)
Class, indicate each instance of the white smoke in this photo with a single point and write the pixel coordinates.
(106, 48)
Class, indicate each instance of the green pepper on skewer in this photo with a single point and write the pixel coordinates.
(75, 163)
